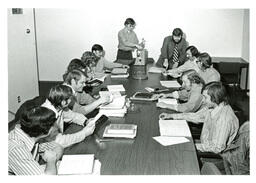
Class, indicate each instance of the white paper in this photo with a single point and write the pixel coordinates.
(156, 70)
(168, 100)
(167, 141)
(76, 164)
(170, 84)
(100, 77)
(178, 128)
(117, 103)
(113, 88)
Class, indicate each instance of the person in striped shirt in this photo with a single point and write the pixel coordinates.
(36, 124)
(220, 124)
(191, 94)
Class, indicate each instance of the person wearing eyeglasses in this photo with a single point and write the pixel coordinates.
(206, 70)
(192, 54)
(173, 51)
(127, 41)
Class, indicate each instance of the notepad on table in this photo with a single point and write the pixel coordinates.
(176, 128)
(119, 71)
(170, 84)
(76, 164)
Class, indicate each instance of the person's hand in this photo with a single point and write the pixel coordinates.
(166, 64)
(165, 116)
(59, 151)
(126, 66)
(90, 122)
(161, 104)
(49, 156)
(105, 99)
(89, 128)
(139, 47)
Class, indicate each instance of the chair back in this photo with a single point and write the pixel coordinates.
(210, 169)
(237, 155)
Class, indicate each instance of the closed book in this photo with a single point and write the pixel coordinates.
(119, 71)
(121, 128)
(120, 131)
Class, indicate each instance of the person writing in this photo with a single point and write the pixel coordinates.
(220, 124)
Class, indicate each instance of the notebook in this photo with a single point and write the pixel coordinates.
(76, 164)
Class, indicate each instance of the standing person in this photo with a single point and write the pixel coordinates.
(127, 41)
(173, 51)
(206, 70)
(192, 84)
(58, 101)
(76, 80)
(220, 124)
(35, 124)
(102, 63)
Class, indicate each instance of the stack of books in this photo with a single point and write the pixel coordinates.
(120, 131)
(119, 73)
(116, 108)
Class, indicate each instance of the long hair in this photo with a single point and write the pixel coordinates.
(58, 94)
(217, 92)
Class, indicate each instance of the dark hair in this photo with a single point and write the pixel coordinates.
(58, 94)
(177, 32)
(97, 47)
(193, 77)
(88, 58)
(74, 74)
(75, 64)
(217, 92)
(129, 21)
(205, 59)
(37, 121)
(194, 51)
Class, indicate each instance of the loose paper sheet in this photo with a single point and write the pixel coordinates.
(167, 141)
(174, 128)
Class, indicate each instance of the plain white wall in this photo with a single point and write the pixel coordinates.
(63, 34)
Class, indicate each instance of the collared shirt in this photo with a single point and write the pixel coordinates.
(187, 66)
(20, 158)
(209, 75)
(80, 99)
(103, 63)
(219, 129)
(67, 116)
(126, 37)
(195, 99)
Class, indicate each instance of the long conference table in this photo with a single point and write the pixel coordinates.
(142, 155)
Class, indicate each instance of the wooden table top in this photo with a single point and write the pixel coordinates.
(142, 155)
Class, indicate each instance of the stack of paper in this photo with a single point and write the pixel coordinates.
(76, 164)
(168, 100)
(173, 132)
(120, 130)
(117, 107)
(170, 84)
(156, 70)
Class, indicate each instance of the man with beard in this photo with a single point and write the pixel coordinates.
(173, 51)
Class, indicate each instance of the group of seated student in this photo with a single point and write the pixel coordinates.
(204, 96)
(204, 101)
